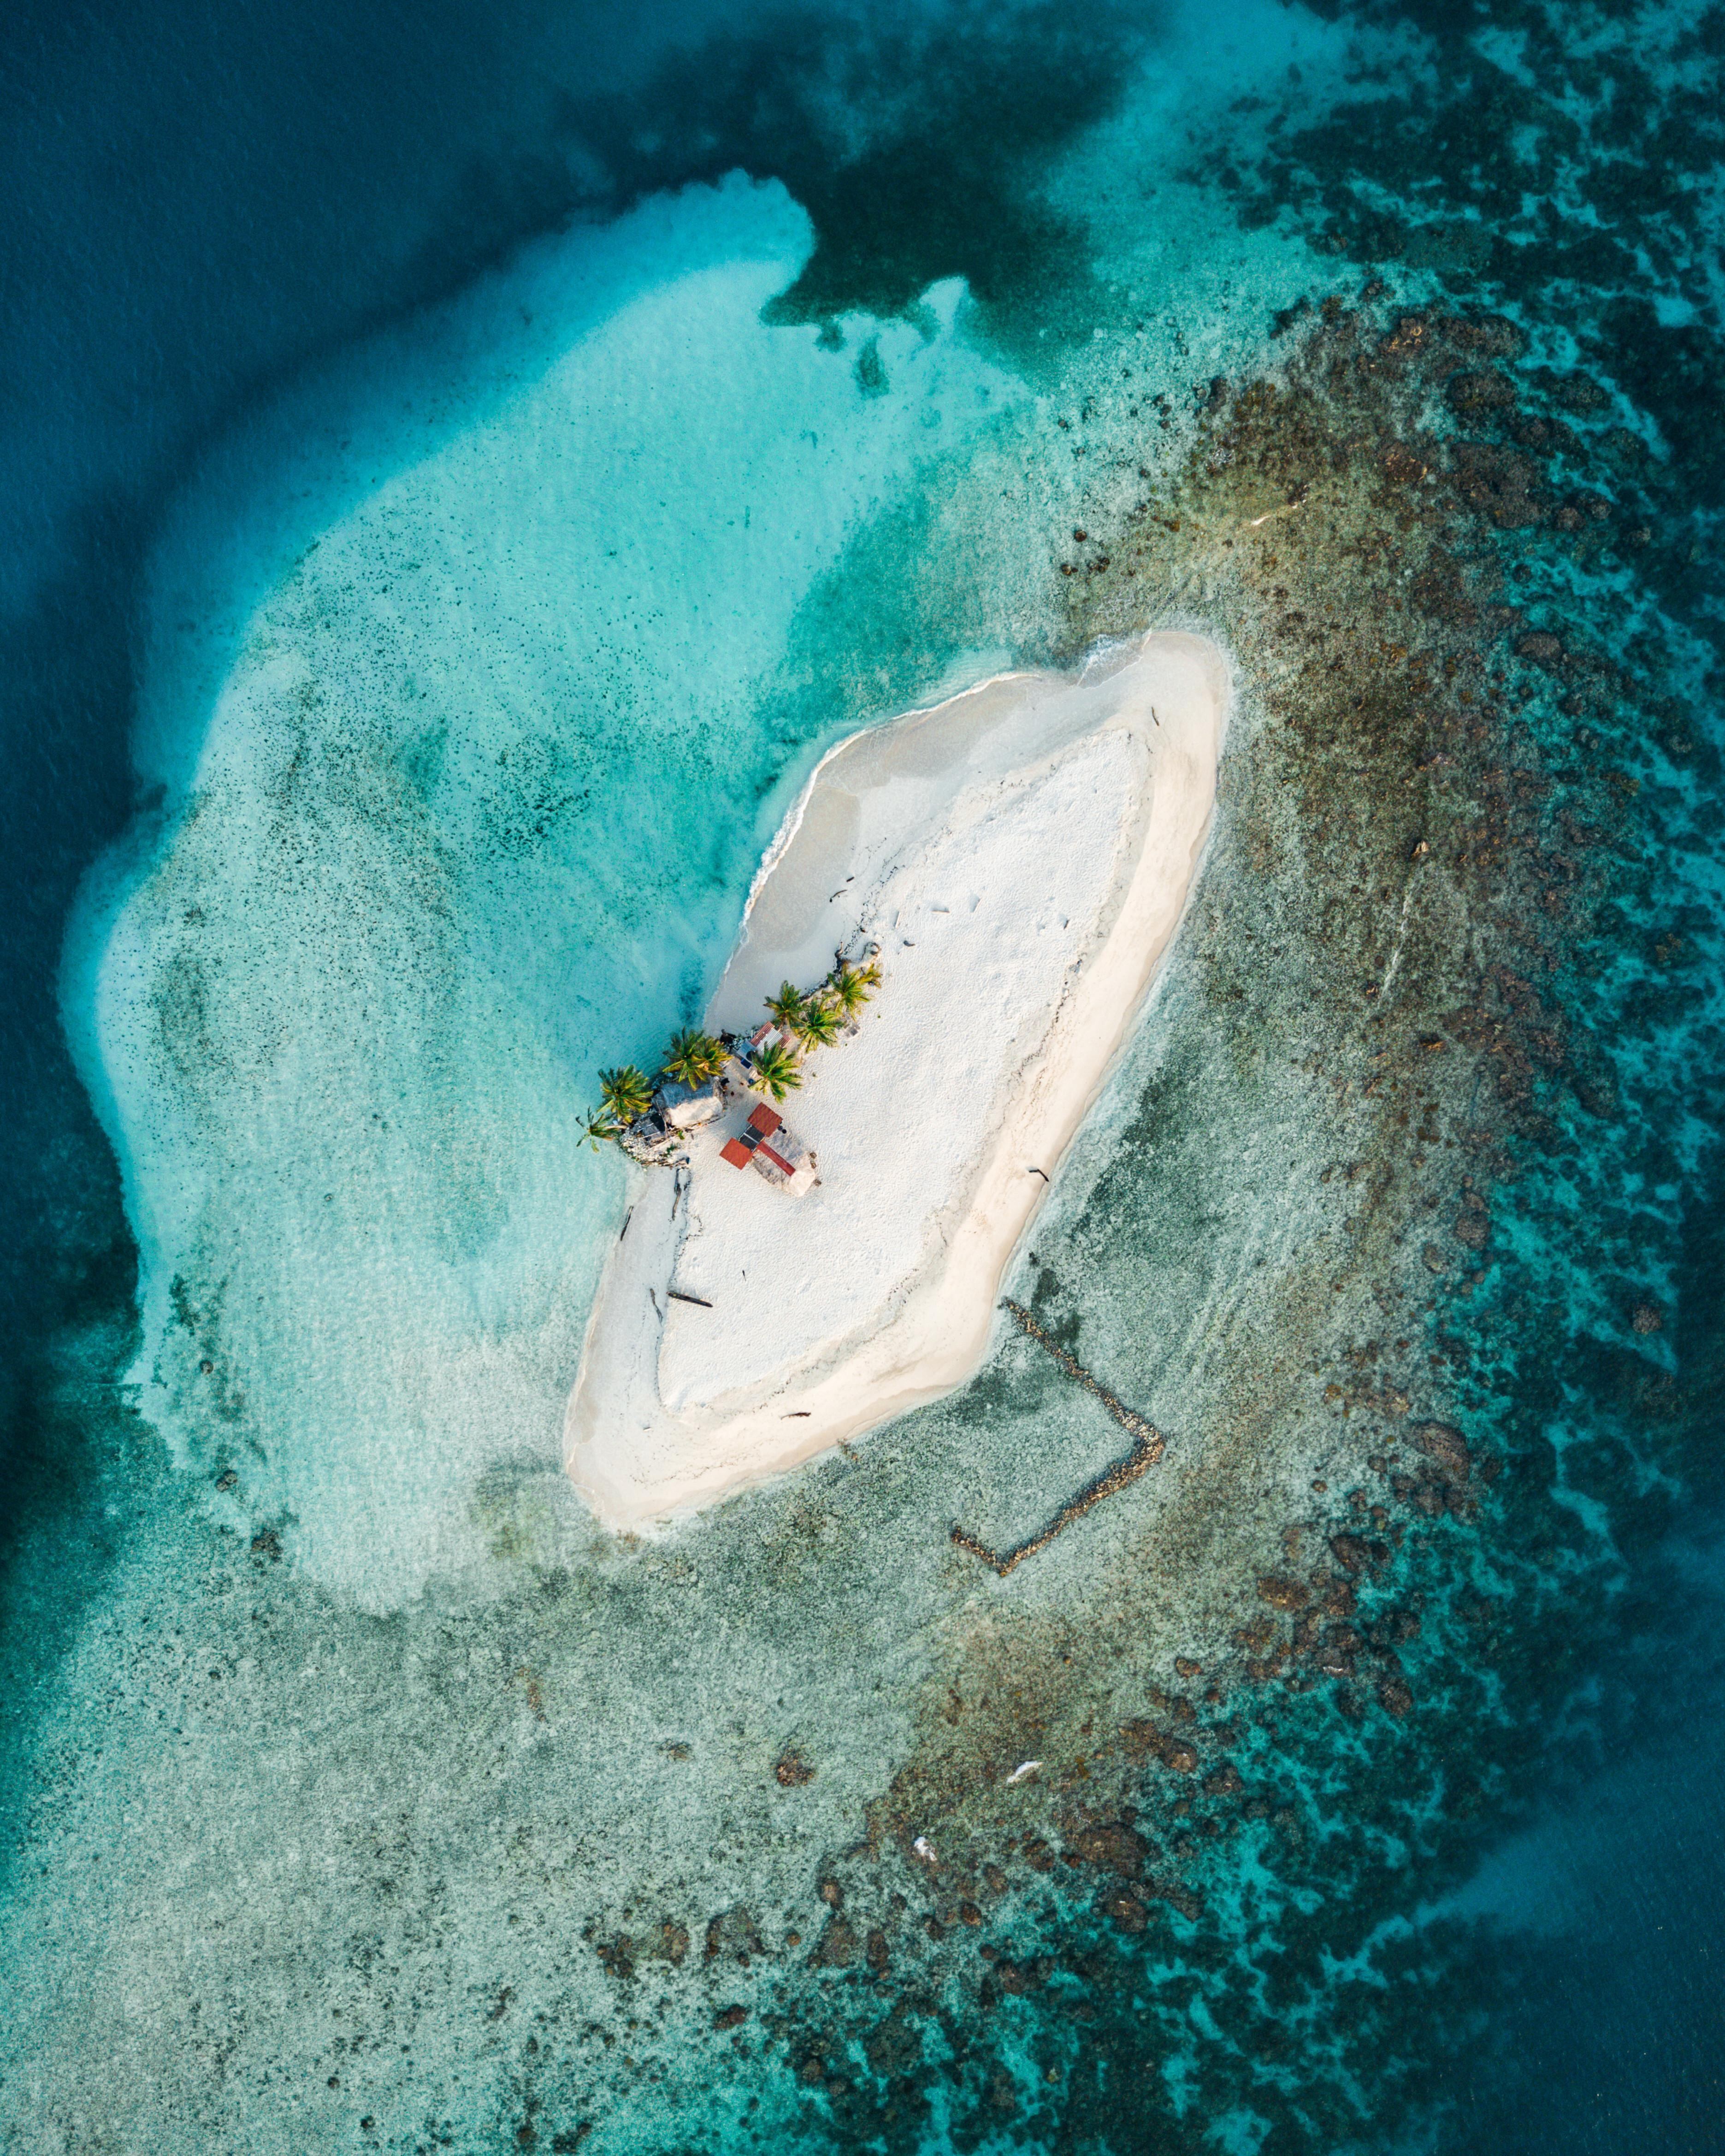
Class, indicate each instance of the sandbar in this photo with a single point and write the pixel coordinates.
(1019, 858)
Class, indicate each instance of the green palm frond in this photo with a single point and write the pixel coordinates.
(820, 1022)
(601, 1126)
(850, 991)
(692, 1058)
(626, 1093)
(786, 1008)
(776, 1070)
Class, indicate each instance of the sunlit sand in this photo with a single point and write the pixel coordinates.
(1021, 855)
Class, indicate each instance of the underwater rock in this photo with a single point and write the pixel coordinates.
(1400, 463)
(1499, 483)
(1144, 1739)
(733, 1932)
(1281, 1593)
(1492, 335)
(1350, 1552)
(670, 1943)
(892, 2046)
(1125, 1911)
(1112, 1846)
(1177, 1897)
(1472, 1228)
(837, 1947)
(1444, 1443)
(1471, 394)
(1394, 1696)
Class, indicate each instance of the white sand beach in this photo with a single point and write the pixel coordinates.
(1021, 855)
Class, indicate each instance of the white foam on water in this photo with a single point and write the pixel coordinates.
(472, 811)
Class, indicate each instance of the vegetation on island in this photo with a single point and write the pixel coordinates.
(821, 1024)
(787, 1007)
(775, 1069)
(693, 1058)
(805, 1019)
(851, 986)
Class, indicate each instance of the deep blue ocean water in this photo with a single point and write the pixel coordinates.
(576, 375)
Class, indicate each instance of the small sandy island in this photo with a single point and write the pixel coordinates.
(1021, 855)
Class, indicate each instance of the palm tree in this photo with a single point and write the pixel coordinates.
(786, 1008)
(850, 991)
(626, 1093)
(600, 1126)
(820, 1022)
(692, 1058)
(776, 1070)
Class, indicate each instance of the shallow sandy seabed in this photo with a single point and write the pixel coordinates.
(1022, 854)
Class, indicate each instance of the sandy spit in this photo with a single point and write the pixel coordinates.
(1022, 856)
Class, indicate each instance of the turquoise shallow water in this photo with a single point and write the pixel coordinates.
(473, 814)
(468, 621)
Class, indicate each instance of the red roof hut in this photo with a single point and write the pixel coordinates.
(766, 1145)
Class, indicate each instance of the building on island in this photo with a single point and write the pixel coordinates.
(766, 1145)
(687, 1107)
(660, 1137)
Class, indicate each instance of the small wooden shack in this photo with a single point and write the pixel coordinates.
(766, 1144)
(687, 1107)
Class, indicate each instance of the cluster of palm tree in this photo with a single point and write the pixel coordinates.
(625, 1097)
(811, 1020)
(693, 1058)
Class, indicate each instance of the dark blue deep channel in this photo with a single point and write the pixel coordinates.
(1448, 1873)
